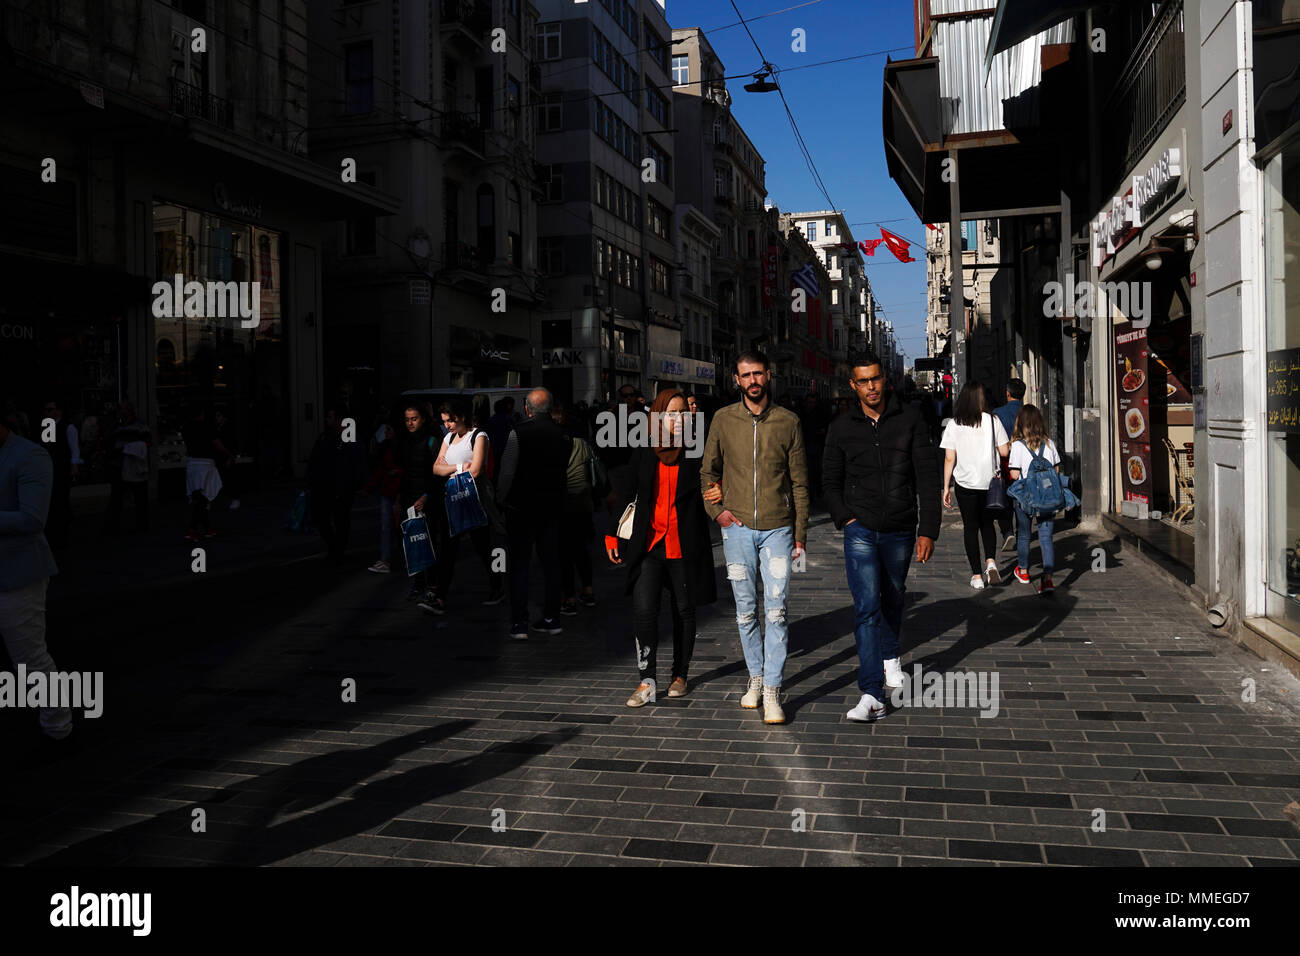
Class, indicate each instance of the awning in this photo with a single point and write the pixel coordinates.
(910, 117)
(1016, 20)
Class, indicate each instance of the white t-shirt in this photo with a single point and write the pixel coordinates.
(1021, 456)
(976, 461)
(461, 452)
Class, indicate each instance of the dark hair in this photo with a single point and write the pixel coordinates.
(753, 357)
(456, 408)
(1016, 389)
(972, 404)
(422, 408)
(503, 406)
(864, 360)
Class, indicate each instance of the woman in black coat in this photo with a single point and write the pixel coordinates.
(669, 546)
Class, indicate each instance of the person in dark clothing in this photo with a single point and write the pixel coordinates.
(419, 486)
(881, 482)
(65, 451)
(205, 455)
(224, 430)
(128, 471)
(669, 549)
(498, 427)
(336, 470)
(814, 418)
(533, 482)
(1006, 414)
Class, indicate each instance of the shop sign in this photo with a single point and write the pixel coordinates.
(496, 355)
(1115, 226)
(246, 206)
(1282, 388)
(705, 372)
(92, 94)
(629, 363)
(562, 358)
(1152, 185)
(21, 332)
(668, 366)
(419, 291)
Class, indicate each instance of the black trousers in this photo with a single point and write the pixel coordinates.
(139, 492)
(480, 539)
(199, 511)
(977, 523)
(576, 531)
(332, 515)
(656, 574)
(529, 531)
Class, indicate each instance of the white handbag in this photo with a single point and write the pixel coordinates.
(626, 522)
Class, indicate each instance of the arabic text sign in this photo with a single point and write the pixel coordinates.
(1282, 386)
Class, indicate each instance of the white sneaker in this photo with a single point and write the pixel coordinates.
(992, 574)
(868, 709)
(977, 582)
(894, 672)
(752, 694)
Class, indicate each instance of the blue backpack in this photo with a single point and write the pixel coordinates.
(1043, 493)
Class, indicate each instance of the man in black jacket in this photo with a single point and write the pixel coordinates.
(879, 464)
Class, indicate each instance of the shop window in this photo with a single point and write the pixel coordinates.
(359, 78)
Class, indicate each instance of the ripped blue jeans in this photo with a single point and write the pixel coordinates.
(749, 553)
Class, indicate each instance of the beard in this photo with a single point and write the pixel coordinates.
(749, 392)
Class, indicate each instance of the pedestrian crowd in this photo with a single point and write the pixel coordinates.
(458, 481)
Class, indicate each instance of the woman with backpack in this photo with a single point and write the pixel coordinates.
(974, 440)
(1031, 452)
(464, 449)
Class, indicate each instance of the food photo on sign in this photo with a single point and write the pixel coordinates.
(1134, 407)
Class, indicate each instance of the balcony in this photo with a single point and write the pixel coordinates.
(189, 100)
(462, 131)
(464, 264)
(723, 201)
(1152, 87)
(466, 22)
(722, 146)
(717, 93)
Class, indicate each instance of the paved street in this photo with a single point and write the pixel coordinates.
(1114, 696)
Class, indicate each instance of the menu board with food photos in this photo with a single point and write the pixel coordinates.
(1134, 406)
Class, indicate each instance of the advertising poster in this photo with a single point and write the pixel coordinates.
(1134, 407)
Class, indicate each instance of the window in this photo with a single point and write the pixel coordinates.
(550, 255)
(658, 276)
(663, 164)
(514, 100)
(553, 182)
(656, 105)
(835, 296)
(830, 224)
(812, 232)
(359, 78)
(487, 229)
(655, 46)
(719, 182)
(833, 262)
(548, 41)
(659, 220)
(550, 113)
(681, 70)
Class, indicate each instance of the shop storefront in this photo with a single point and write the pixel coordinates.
(679, 371)
(482, 358)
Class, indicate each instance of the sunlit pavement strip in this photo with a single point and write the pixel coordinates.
(1118, 707)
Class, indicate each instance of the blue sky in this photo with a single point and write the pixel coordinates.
(837, 107)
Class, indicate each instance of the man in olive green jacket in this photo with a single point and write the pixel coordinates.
(755, 484)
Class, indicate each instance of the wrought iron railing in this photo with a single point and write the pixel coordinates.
(191, 101)
(473, 15)
(1152, 86)
(463, 128)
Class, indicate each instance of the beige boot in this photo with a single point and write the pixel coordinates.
(772, 712)
(752, 695)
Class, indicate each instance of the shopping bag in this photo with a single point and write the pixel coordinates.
(299, 512)
(417, 545)
(464, 510)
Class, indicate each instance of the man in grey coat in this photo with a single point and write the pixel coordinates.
(26, 563)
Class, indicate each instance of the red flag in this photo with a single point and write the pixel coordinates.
(897, 245)
(869, 245)
(932, 227)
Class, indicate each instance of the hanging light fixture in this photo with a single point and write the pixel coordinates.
(1153, 255)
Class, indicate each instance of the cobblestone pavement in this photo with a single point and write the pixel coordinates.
(465, 747)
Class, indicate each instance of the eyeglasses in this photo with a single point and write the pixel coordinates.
(673, 414)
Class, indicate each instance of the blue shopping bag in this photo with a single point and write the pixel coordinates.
(300, 513)
(464, 510)
(417, 545)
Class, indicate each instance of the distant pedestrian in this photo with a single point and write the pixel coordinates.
(498, 427)
(1006, 414)
(128, 469)
(973, 441)
(386, 482)
(419, 486)
(534, 472)
(336, 470)
(225, 434)
(26, 563)
(669, 548)
(754, 478)
(464, 449)
(815, 419)
(204, 452)
(65, 452)
(1029, 441)
(882, 479)
(576, 527)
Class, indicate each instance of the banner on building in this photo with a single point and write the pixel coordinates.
(1134, 409)
(769, 276)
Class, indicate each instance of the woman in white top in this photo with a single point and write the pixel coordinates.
(970, 440)
(1030, 438)
(463, 449)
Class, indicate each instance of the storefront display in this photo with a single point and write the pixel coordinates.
(1134, 408)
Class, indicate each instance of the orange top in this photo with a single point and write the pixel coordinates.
(663, 521)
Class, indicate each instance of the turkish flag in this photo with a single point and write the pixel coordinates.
(869, 245)
(897, 245)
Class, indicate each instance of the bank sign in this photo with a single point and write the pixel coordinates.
(1117, 225)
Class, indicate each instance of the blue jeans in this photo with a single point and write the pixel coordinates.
(876, 563)
(750, 552)
(1045, 526)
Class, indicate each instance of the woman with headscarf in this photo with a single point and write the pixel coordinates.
(668, 546)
